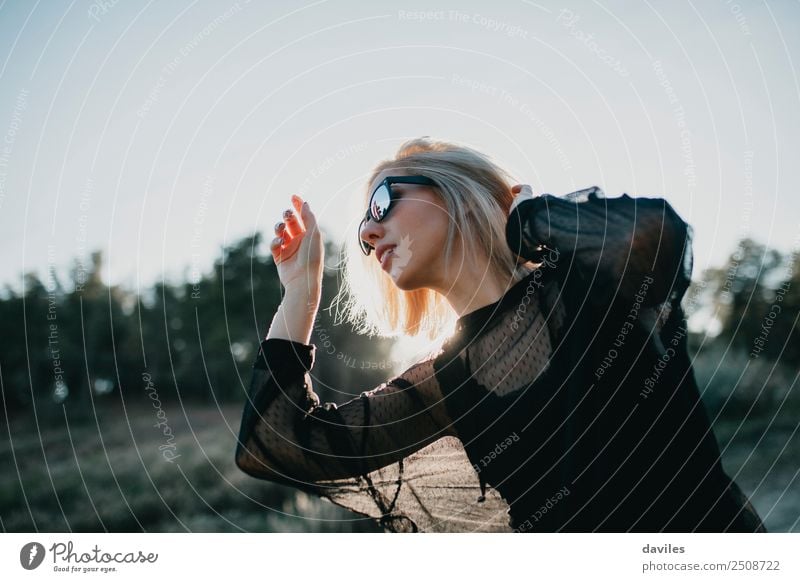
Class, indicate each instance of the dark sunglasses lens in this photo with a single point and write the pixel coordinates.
(379, 204)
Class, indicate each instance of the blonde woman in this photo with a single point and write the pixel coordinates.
(562, 398)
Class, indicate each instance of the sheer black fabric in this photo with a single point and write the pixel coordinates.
(568, 405)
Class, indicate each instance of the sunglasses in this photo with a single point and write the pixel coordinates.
(382, 200)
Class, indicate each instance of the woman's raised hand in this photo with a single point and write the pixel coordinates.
(297, 248)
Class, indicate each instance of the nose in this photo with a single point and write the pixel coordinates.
(371, 232)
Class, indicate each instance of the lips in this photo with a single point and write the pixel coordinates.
(383, 253)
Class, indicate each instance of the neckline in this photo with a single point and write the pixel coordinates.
(479, 319)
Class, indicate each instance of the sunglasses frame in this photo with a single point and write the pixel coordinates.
(387, 182)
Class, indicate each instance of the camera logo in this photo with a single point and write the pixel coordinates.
(31, 555)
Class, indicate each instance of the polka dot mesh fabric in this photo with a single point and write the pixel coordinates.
(543, 412)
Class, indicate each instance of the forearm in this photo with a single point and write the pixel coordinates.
(294, 319)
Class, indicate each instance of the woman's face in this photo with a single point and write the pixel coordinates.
(411, 239)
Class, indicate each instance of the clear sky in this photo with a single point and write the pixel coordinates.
(159, 132)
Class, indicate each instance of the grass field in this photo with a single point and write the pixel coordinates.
(109, 475)
(88, 474)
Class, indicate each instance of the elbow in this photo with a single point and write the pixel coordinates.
(674, 258)
(248, 462)
(259, 467)
(664, 251)
(250, 465)
(244, 460)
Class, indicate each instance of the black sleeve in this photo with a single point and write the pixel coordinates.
(620, 243)
(286, 435)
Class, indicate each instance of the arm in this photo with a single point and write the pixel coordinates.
(287, 436)
(624, 241)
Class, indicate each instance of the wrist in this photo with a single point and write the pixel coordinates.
(302, 293)
(294, 319)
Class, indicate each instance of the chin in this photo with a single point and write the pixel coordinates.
(405, 280)
(402, 284)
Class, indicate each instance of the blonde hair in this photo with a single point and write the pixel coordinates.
(477, 195)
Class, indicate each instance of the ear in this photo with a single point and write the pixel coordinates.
(522, 192)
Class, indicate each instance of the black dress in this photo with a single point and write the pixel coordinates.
(569, 404)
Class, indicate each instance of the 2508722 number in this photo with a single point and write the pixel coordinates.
(756, 565)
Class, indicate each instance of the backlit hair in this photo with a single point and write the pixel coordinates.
(477, 196)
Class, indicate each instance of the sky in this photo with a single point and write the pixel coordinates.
(161, 132)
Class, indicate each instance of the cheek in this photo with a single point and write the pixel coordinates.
(428, 233)
(428, 241)
(437, 226)
(424, 223)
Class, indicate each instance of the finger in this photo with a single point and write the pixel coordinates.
(293, 225)
(309, 220)
(275, 246)
(281, 230)
(298, 204)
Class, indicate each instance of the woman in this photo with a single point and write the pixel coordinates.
(565, 385)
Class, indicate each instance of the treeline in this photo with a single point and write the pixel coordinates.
(752, 303)
(82, 342)
(746, 347)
